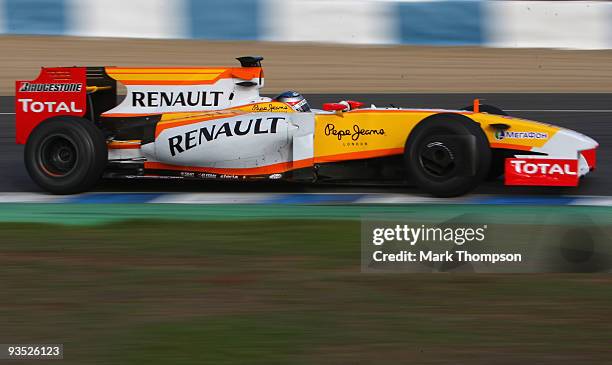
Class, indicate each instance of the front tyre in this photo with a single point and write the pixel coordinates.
(447, 155)
(66, 155)
(498, 159)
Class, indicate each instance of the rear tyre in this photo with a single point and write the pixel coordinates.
(447, 155)
(66, 155)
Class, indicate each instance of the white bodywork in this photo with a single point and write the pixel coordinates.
(157, 99)
(241, 141)
(566, 144)
(244, 141)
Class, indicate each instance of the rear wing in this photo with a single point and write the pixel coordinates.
(91, 92)
(76, 91)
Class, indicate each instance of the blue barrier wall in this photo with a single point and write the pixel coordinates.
(35, 16)
(224, 19)
(441, 22)
(562, 24)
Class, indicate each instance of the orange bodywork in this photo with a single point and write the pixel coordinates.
(180, 76)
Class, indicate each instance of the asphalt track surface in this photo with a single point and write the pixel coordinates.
(590, 114)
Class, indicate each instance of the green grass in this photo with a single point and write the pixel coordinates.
(277, 292)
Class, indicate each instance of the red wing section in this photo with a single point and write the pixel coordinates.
(541, 172)
(56, 91)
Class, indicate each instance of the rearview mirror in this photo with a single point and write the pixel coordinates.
(333, 107)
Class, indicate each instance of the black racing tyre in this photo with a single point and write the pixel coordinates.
(497, 162)
(485, 108)
(447, 155)
(497, 169)
(66, 155)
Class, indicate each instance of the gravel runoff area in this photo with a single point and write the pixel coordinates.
(317, 68)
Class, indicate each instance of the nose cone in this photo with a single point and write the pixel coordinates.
(567, 143)
(580, 140)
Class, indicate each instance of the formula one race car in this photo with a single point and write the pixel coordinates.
(212, 123)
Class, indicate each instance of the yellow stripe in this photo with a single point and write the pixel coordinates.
(167, 77)
(171, 118)
(164, 70)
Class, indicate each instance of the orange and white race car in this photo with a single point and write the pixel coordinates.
(212, 123)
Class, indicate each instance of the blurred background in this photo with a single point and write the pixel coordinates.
(277, 281)
(326, 46)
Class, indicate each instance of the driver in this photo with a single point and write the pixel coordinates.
(295, 100)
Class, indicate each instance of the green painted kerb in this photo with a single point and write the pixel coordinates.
(86, 214)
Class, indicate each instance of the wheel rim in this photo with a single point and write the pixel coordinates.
(57, 155)
(437, 159)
